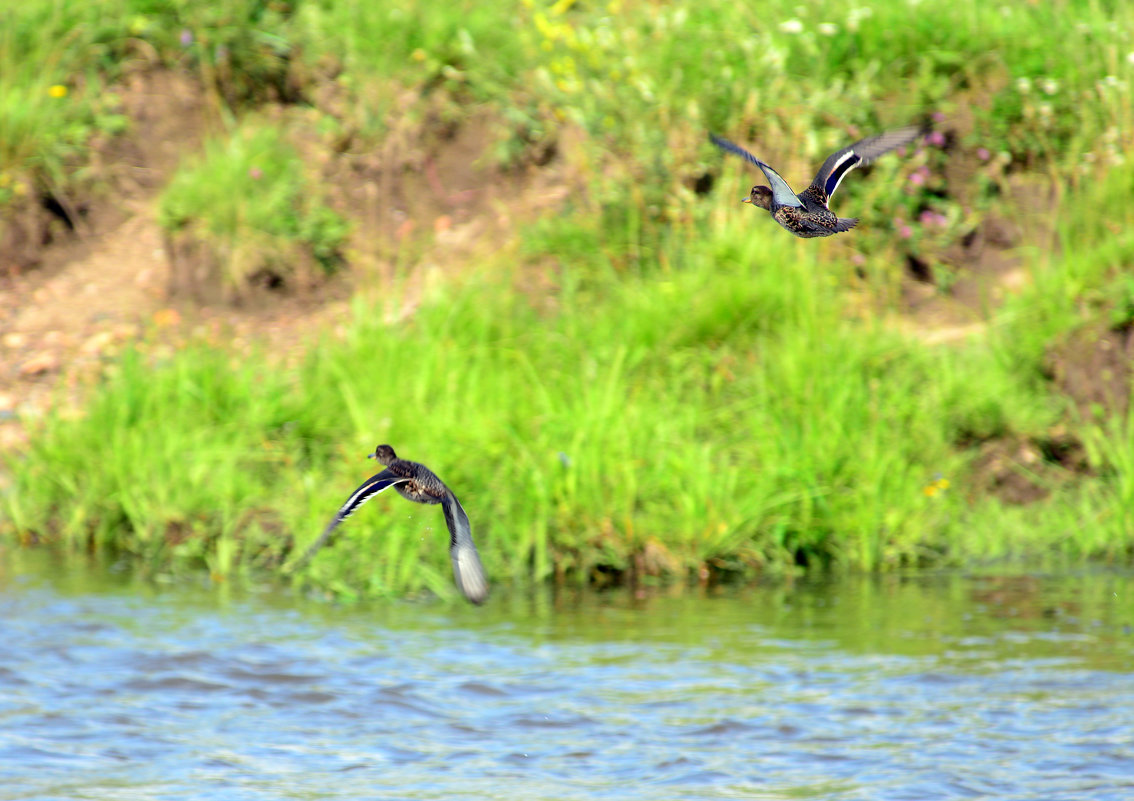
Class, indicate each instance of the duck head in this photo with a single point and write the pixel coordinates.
(761, 197)
(384, 454)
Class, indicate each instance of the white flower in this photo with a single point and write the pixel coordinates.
(791, 26)
(1050, 86)
(830, 29)
(1024, 85)
(857, 14)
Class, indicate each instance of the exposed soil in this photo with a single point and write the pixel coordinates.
(985, 268)
(1019, 470)
(104, 283)
(423, 207)
(1094, 369)
(72, 296)
(977, 273)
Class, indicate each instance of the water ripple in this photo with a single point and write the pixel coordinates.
(117, 693)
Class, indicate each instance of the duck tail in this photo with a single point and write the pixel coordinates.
(467, 569)
(843, 224)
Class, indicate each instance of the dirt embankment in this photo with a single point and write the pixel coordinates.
(83, 278)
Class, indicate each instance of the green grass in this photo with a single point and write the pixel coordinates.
(52, 97)
(248, 199)
(698, 390)
(1084, 286)
(58, 58)
(759, 428)
(644, 82)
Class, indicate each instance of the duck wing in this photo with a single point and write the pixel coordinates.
(467, 568)
(864, 151)
(368, 489)
(781, 192)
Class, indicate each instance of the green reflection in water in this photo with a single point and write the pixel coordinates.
(969, 620)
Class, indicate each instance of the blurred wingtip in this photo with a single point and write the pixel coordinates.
(469, 573)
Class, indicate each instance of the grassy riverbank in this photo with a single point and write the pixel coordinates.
(686, 389)
(629, 429)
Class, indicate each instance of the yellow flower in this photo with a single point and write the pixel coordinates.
(543, 26)
(936, 486)
(57, 91)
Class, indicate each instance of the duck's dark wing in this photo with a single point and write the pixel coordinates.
(781, 192)
(838, 164)
(369, 488)
(467, 569)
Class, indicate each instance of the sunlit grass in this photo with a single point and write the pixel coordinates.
(248, 199)
(757, 428)
(50, 98)
(1042, 85)
(698, 391)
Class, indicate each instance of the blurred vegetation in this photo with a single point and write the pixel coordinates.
(248, 200)
(704, 393)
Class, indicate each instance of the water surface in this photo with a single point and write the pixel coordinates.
(942, 686)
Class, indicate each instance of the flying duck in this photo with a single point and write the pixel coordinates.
(807, 215)
(416, 482)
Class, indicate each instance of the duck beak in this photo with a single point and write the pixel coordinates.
(372, 456)
(746, 200)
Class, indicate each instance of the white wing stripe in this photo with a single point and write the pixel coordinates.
(363, 494)
(839, 171)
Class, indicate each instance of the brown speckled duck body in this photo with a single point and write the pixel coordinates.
(421, 485)
(807, 214)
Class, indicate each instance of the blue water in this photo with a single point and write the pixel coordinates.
(947, 686)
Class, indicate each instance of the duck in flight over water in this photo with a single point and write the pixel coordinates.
(416, 482)
(807, 215)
